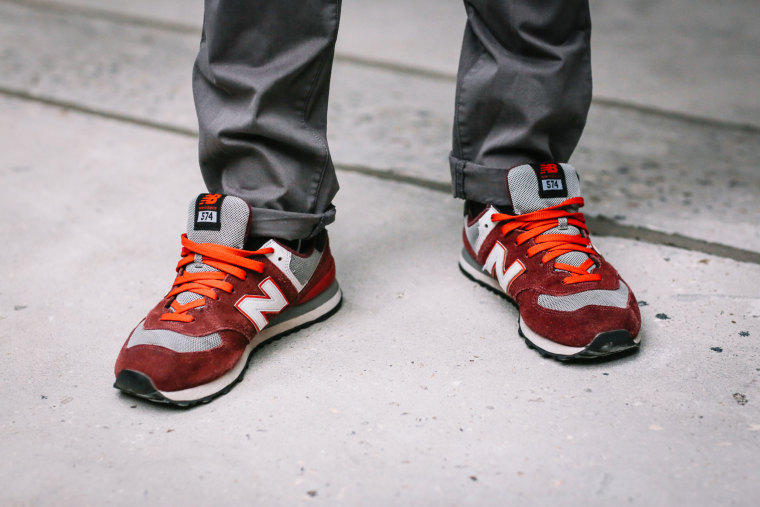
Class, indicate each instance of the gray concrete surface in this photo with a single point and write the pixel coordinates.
(419, 391)
(642, 169)
(681, 55)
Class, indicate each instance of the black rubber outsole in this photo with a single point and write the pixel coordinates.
(137, 384)
(605, 346)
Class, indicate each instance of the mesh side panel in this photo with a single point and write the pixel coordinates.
(234, 221)
(174, 341)
(617, 298)
(303, 268)
(523, 187)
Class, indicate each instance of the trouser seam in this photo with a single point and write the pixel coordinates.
(460, 105)
(326, 60)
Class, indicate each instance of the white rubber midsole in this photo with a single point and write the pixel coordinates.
(198, 392)
(478, 274)
(546, 344)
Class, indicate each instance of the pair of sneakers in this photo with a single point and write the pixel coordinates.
(226, 300)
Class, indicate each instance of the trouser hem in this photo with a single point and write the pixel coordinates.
(279, 224)
(481, 183)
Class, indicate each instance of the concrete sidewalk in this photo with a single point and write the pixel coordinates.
(419, 391)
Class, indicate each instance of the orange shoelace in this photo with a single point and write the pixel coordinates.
(554, 245)
(226, 259)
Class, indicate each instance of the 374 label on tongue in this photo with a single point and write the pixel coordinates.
(551, 180)
(208, 211)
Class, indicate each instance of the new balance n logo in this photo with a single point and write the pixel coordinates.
(254, 307)
(495, 265)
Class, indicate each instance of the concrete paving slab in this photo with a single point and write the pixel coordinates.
(640, 169)
(689, 56)
(686, 56)
(693, 56)
(672, 175)
(178, 13)
(418, 392)
(98, 63)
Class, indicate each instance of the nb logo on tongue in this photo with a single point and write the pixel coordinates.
(551, 180)
(209, 199)
(208, 209)
(549, 169)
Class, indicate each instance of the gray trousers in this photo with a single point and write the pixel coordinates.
(261, 82)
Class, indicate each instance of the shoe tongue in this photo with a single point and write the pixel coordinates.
(214, 218)
(219, 219)
(536, 186)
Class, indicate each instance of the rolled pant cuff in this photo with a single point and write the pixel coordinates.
(270, 223)
(480, 183)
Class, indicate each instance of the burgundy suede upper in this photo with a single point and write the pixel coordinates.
(577, 328)
(171, 371)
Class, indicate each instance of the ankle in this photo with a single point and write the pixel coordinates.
(474, 208)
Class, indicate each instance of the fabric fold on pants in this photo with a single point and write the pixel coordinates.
(270, 223)
(523, 91)
(479, 183)
(261, 86)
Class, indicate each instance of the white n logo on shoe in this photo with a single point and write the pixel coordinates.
(253, 307)
(496, 266)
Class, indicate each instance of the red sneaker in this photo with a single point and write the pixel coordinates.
(572, 302)
(195, 344)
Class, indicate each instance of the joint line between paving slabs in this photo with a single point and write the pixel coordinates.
(600, 225)
(109, 115)
(398, 68)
